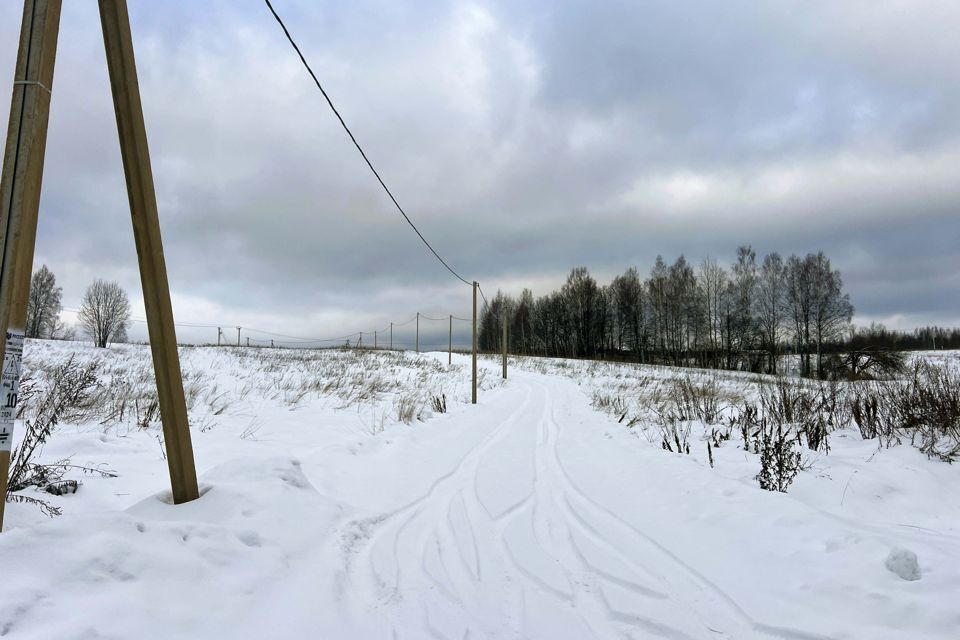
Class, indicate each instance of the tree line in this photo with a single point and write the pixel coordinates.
(743, 316)
(104, 314)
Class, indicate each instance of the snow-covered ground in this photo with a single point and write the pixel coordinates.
(531, 515)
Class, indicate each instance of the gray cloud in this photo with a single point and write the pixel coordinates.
(524, 138)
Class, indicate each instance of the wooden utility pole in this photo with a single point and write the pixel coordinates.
(474, 348)
(360, 340)
(374, 339)
(219, 335)
(238, 336)
(391, 336)
(418, 332)
(503, 340)
(20, 200)
(134, 151)
(450, 343)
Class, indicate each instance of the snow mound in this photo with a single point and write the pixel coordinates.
(159, 566)
(903, 562)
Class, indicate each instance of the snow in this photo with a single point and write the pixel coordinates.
(904, 563)
(531, 515)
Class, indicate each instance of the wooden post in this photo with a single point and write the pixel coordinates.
(450, 343)
(503, 341)
(20, 200)
(418, 332)
(474, 348)
(135, 153)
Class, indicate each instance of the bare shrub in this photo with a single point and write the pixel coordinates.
(66, 394)
(439, 403)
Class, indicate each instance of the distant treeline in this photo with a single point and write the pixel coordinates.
(745, 316)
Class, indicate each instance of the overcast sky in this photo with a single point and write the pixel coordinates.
(524, 138)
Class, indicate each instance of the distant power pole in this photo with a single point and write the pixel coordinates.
(418, 332)
(504, 341)
(248, 341)
(391, 336)
(219, 335)
(374, 339)
(360, 340)
(238, 336)
(474, 347)
(450, 342)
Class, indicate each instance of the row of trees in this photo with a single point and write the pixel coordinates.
(104, 311)
(739, 317)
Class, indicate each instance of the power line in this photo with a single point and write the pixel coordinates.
(357, 145)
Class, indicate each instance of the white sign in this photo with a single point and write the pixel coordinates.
(10, 386)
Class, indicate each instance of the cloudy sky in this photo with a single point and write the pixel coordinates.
(524, 137)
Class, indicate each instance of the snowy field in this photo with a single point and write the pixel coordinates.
(339, 502)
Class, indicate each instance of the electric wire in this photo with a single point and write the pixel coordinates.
(357, 144)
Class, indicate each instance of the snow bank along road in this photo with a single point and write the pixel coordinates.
(529, 516)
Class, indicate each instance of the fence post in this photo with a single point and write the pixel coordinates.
(20, 196)
(503, 340)
(450, 343)
(134, 152)
(474, 348)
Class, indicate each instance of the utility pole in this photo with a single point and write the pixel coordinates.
(360, 340)
(20, 200)
(374, 339)
(503, 340)
(474, 348)
(391, 336)
(219, 335)
(450, 342)
(248, 342)
(134, 151)
(418, 332)
(271, 343)
(238, 336)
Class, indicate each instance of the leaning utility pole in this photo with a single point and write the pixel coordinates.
(474, 348)
(135, 154)
(20, 201)
(19, 205)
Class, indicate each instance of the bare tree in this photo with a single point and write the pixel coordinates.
(105, 312)
(771, 305)
(43, 304)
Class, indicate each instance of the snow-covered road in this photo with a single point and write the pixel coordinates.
(508, 543)
(528, 516)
